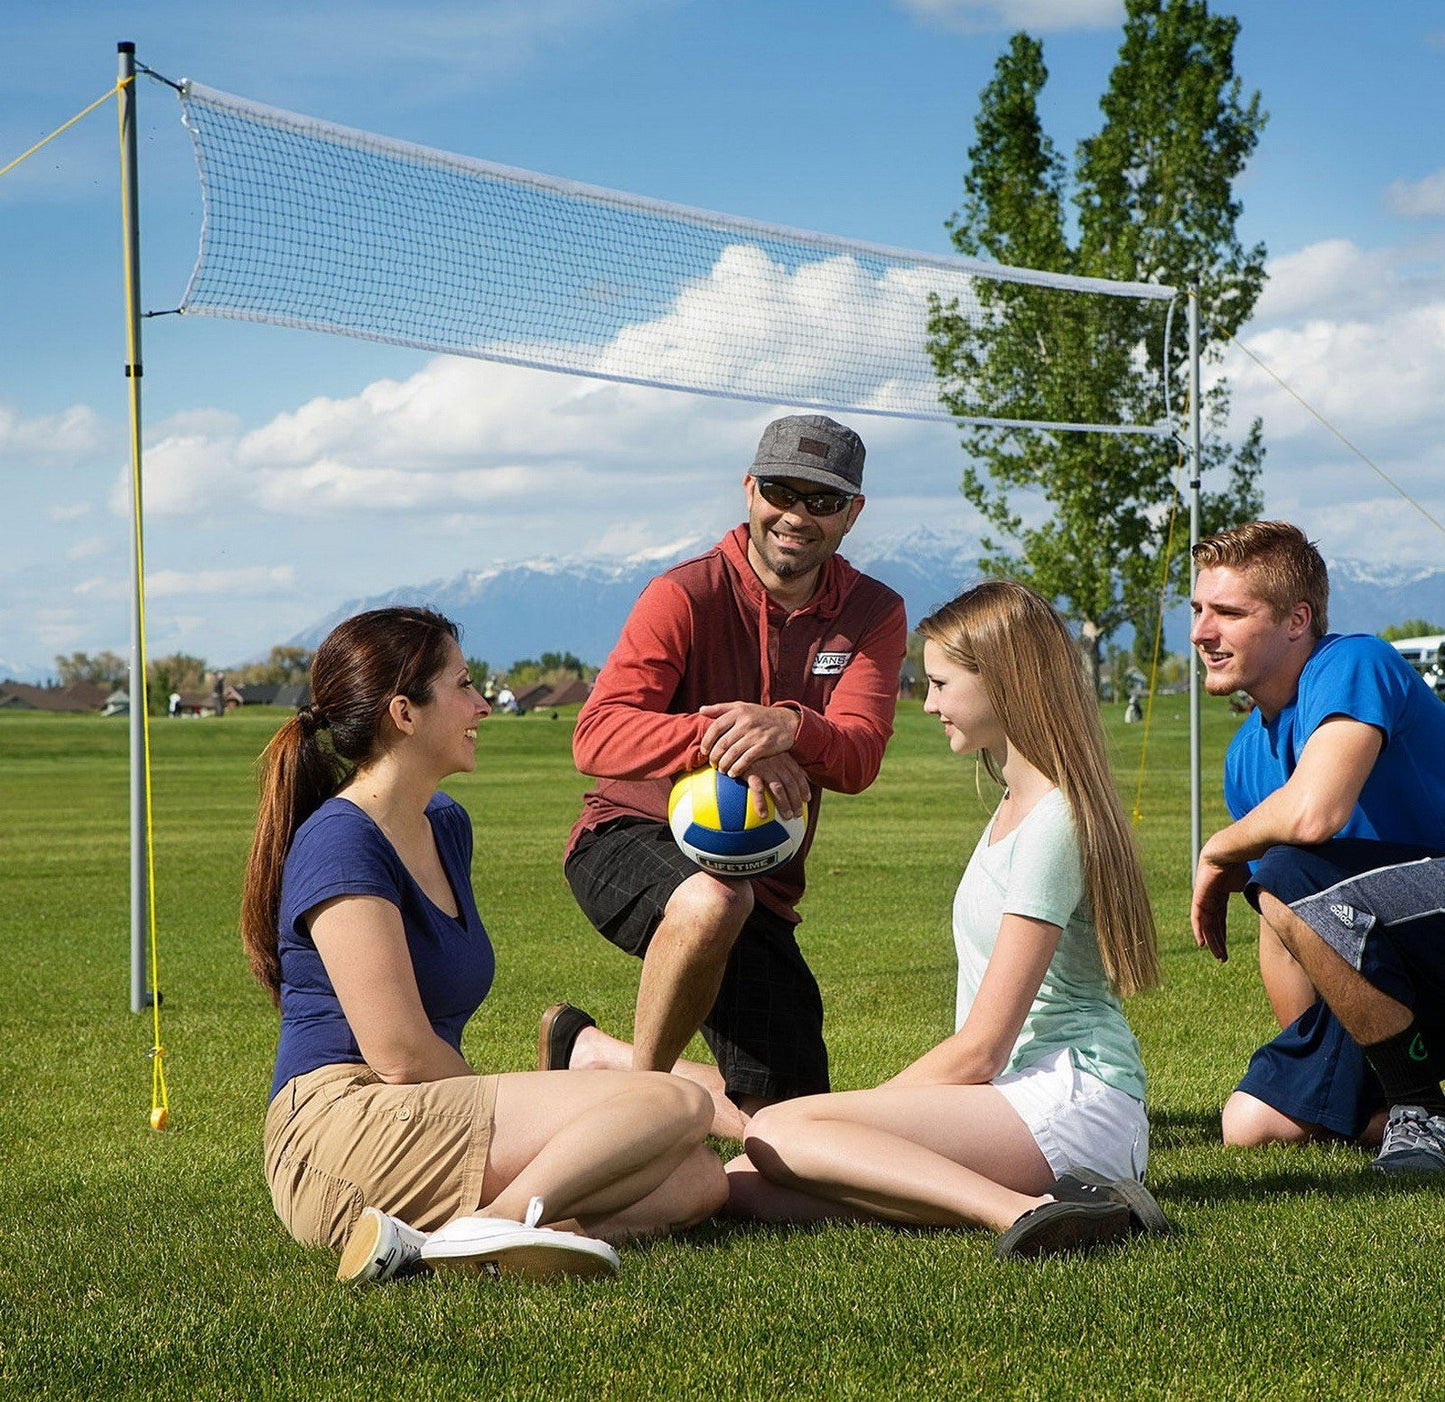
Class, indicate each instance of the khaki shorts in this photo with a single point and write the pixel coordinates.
(338, 1139)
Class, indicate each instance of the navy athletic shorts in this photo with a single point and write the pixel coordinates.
(1381, 907)
(766, 1028)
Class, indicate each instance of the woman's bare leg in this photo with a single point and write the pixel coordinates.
(595, 1049)
(600, 1144)
(924, 1155)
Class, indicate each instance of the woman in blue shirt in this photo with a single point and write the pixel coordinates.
(359, 918)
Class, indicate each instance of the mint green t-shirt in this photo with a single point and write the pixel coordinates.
(1036, 872)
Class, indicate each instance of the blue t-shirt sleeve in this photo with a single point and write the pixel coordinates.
(1364, 678)
(341, 853)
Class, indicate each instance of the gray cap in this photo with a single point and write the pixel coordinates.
(811, 448)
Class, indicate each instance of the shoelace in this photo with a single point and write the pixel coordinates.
(1413, 1127)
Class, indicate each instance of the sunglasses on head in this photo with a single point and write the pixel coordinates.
(817, 503)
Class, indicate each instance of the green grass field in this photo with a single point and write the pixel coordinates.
(143, 1265)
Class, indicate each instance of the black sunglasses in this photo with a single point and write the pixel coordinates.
(818, 503)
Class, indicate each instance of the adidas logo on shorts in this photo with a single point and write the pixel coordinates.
(1345, 914)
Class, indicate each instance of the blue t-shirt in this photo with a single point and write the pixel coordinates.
(340, 851)
(1365, 679)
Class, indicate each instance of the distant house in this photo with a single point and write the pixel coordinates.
(116, 704)
(79, 697)
(529, 697)
(568, 693)
(293, 695)
(258, 693)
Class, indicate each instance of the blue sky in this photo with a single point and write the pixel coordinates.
(288, 471)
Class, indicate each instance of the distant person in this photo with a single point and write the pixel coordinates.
(775, 660)
(1029, 1119)
(173, 705)
(220, 694)
(507, 700)
(1336, 782)
(360, 921)
(1133, 712)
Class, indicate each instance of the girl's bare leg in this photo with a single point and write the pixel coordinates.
(924, 1155)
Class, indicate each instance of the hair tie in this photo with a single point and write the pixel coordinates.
(311, 719)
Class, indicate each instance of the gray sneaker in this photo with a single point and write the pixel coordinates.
(1057, 1227)
(1084, 1185)
(1414, 1142)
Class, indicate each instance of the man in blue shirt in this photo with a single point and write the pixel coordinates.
(1336, 784)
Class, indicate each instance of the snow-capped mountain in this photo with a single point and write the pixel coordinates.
(512, 611)
(508, 612)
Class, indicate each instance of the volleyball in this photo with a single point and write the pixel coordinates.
(717, 824)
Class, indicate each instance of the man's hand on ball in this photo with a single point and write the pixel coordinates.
(782, 777)
(741, 734)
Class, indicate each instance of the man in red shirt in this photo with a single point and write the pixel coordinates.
(775, 660)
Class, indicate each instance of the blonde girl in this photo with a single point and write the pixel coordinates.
(1030, 1118)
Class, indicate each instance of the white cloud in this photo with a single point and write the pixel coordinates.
(1333, 275)
(1355, 337)
(70, 434)
(482, 443)
(1037, 16)
(250, 581)
(185, 474)
(1359, 336)
(828, 329)
(90, 547)
(1418, 199)
(247, 581)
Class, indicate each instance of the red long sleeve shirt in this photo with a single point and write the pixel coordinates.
(707, 631)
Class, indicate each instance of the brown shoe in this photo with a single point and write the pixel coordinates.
(557, 1035)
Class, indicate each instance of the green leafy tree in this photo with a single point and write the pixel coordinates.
(550, 668)
(283, 664)
(104, 669)
(1086, 517)
(178, 672)
(1411, 628)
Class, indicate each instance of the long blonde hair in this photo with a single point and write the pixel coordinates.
(1021, 649)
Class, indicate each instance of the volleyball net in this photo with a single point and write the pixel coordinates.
(314, 225)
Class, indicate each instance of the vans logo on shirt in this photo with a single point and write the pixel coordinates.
(829, 664)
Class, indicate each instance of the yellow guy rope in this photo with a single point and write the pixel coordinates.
(25, 155)
(1315, 413)
(160, 1099)
(1137, 815)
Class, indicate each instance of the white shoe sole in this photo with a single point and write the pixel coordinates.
(529, 1253)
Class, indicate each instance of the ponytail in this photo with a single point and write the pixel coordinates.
(297, 775)
(361, 664)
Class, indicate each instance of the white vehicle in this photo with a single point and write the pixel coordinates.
(1427, 656)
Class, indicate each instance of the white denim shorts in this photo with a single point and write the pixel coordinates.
(1076, 1120)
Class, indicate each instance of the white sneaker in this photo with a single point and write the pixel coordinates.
(495, 1246)
(380, 1247)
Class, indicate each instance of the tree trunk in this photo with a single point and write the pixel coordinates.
(1091, 644)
